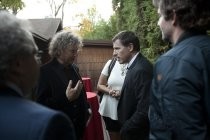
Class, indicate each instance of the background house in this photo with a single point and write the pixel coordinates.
(43, 30)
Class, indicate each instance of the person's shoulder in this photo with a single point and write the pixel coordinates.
(51, 123)
(143, 64)
(54, 124)
(42, 112)
(47, 68)
(47, 64)
(143, 59)
(74, 65)
(32, 111)
(38, 109)
(108, 61)
(26, 111)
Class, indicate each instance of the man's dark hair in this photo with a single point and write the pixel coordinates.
(127, 37)
(189, 13)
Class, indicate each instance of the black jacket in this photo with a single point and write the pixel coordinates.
(181, 90)
(51, 92)
(134, 101)
(22, 119)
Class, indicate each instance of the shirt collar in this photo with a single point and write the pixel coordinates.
(59, 65)
(131, 62)
(189, 33)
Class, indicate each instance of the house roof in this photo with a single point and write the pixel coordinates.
(97, 43)
(44, 29)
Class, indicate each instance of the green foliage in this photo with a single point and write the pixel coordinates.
(127, 18)
(12, 5)
(148, 31)
(102, 30)
(139, 16)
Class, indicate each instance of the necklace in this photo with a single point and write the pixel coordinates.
(123, 69)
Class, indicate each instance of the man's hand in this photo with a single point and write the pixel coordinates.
(73, 93)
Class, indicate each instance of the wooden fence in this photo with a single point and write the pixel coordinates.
(92, 59)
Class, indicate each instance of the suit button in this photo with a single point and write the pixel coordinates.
(75, 106)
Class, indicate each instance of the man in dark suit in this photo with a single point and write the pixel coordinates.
(60, 85)
(21, 119)
(134, 100)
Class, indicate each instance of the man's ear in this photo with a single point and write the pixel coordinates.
(130, 47)
(174, 20)
(16, 67)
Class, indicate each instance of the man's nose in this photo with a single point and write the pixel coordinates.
(115, 53)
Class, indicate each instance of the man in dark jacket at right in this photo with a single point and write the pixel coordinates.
(180, 97)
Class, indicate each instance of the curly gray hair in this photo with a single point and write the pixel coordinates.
(62, 40)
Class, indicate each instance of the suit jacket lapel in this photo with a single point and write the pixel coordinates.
(130, 70)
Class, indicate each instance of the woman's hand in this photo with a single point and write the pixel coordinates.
(73, 93)
(114, 93)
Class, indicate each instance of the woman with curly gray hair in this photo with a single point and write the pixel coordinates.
(60, 85)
